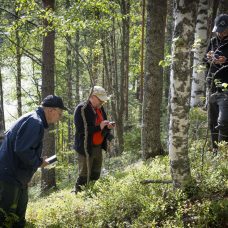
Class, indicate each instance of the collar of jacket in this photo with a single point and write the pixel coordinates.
(40, 112)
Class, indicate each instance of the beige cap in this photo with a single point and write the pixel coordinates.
(100, 92)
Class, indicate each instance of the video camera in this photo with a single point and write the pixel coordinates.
(217, 54)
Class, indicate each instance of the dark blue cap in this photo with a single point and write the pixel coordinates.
(53, 102)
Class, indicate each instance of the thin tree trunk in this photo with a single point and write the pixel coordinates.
(200, 44)
(223, 7)
(111, 72)
(212, 12)
(119, 107)
(48, 68)
(125, 10)
(2, 119)
(168, 43)
(19, 74)
(153, 80)
(69, 83)
(142, 62)
(77, 72)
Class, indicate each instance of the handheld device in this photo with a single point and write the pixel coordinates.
(52, 159)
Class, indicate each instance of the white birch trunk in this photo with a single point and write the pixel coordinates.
(180, 92)
(200, 44)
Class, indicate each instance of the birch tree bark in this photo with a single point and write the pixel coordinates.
(153, 80)
(200, 44)
(180, 91)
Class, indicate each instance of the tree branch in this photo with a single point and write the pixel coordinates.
(156, 181)
(27, 53)
(83, 60)
(17, 17)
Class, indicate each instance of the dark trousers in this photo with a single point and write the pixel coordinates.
(13, 200)
(218, 117)
(95, 164)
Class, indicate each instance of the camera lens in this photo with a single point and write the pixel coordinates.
(216, 56)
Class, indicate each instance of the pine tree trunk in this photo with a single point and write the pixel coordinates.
(223, 7)
(153, 79)
(168, 43)
(69, 89)
(180, 92)
(125, 10)
(2, 119)
(139, 93)
(48, 71)
(119, 94)
(76, 63)
(19, 74)
(69, 66)
(200, 44)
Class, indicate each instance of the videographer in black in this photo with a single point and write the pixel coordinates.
(217, 78)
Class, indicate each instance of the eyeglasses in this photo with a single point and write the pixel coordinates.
(59, 111)
(101, 102)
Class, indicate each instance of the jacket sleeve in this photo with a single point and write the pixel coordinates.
(28, 143)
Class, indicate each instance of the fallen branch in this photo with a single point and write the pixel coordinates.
(156, 181)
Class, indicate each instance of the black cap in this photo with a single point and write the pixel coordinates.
(53, 101)
(221, 23)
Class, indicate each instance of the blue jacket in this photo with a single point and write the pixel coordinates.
(20, 152)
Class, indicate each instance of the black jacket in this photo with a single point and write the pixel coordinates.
(220, 47)
(90, 116)
(20, 152)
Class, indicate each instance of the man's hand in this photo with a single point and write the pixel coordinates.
(111, 125)
(103, 124)
(216, 58)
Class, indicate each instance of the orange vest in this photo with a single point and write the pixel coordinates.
(98, 138)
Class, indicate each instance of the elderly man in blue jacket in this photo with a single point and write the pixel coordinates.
(20, 157)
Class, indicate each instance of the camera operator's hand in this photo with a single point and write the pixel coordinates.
(210, 55)
(216, 57)
(220, 60)
(103, 124)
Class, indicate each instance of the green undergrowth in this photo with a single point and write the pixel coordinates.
(119, 199)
